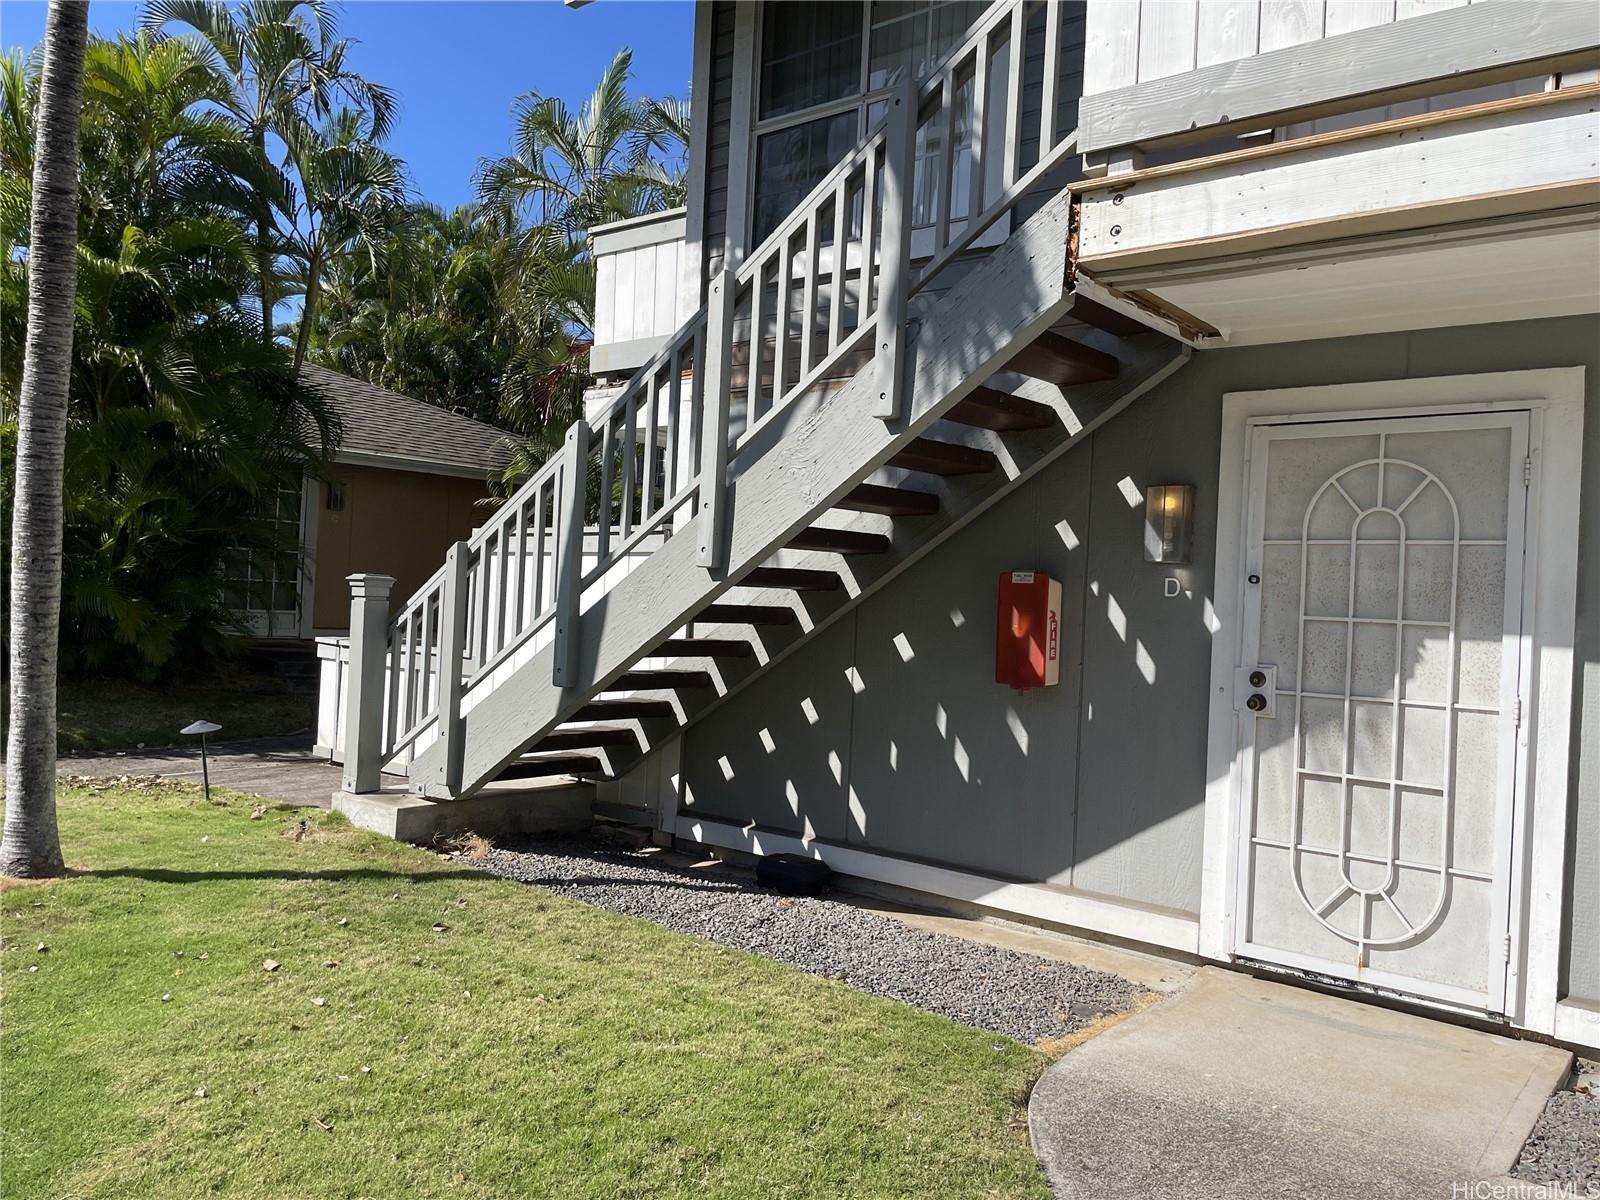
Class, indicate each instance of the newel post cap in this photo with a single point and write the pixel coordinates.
(370, 587)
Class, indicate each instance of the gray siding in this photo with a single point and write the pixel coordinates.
(717, 148)
(1098, 783)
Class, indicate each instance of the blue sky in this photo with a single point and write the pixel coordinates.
(458, 64)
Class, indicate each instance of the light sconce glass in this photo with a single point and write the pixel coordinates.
(1168, 523)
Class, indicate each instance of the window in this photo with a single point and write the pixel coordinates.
(824, 73)
(259, 585)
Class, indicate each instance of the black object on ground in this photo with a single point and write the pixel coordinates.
(791, 874)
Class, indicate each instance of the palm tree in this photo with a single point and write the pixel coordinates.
(350, 191)
(284, 63)
(31, 845)
(569, 171)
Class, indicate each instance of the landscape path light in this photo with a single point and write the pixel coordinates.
(202, 728)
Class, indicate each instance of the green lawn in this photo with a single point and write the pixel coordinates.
(118, 714)
(436, 1032)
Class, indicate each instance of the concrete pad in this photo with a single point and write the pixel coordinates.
(284, 770)
(1150, 970)
(1242, 1087)
(547, 806)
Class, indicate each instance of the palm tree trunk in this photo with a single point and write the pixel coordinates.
(308, 310)
(264, 248)
(31, 846)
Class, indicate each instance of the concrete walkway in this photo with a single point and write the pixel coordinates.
(1236, 1087)
(279, 769)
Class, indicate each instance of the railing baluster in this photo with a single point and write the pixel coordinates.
(409, 700)
(522, 565)
(608, 479)
(427, 692)
(630, 453)
(569, 563)
(841, 261)
(697, 400)
(780, 313)
(869, 227)
(672, 484)
(944, 190)
(1016, 57)
(898, 165)
(1052, 78)
(481, 641)
(652, 425)
(752, 404)
(714, 439)
(808, 301)
(980, 91)
(540, 524)
(502, 587)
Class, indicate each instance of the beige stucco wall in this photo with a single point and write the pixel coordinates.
(394, 523)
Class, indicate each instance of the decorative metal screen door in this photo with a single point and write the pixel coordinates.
(1379, 783)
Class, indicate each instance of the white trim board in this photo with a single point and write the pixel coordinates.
(1164, 928)
(1555, 397)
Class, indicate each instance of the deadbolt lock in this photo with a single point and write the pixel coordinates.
(1255, 690)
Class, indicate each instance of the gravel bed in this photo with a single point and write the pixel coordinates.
(1564, 1146)
(987, 987)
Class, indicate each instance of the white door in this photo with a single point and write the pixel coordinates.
(1378, 702)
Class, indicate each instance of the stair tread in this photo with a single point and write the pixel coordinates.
(792, 578)
(623, 706)
(662, 679)
(745, 614)
(943, 458)
(705, 647)
(553, 764)
(586, 737)
(1062, 361)
(889, 501)
(1000, 412)
(840, 541)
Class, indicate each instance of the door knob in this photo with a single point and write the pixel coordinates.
(1256, 703)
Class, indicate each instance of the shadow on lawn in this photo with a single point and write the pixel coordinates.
(358, 874)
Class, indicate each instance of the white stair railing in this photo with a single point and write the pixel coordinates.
(825, 293)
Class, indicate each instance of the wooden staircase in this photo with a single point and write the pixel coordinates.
(863, 440)
(940, 480)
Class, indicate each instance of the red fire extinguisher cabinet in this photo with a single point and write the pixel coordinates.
(1027, 651)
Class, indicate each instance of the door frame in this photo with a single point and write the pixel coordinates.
(1554, 399)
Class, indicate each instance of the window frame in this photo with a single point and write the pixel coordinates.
(861, 102)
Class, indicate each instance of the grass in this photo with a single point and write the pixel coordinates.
(431, 1031)
(119, 714)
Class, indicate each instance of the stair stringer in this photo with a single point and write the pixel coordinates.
(797, 464)
(1147, 362)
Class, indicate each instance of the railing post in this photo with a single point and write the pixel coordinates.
(569, 561)
(714, 436)
(894, 264)
(453, 606)
(369, 656)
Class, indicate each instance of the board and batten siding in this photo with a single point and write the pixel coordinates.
(640, 295)
(1135, 41)
(887, 732)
